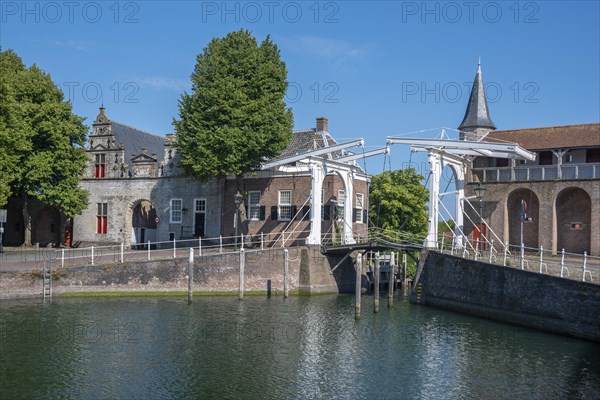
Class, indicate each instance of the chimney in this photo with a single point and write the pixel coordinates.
(322, 124)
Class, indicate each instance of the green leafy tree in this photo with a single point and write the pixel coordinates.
(397, 202)
(236, 116)
(41, 140)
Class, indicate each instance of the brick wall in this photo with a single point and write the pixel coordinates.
(300, 186)
(500, 214)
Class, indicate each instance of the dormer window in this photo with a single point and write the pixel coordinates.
(100, 166)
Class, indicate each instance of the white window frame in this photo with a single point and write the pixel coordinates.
(360, 206)
(197, 211)
(174, 212)
(196, 201)
(254, 207)
(341, 202)
(322, 205)
(284, 206)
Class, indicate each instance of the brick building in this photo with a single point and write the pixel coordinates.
(561, 188)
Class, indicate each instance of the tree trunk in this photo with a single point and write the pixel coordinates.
(26, 221)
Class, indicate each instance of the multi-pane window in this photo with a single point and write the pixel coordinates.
(200, 205)
(340, 203)
(102, 218)
(100, 166)
(254, 205)
(285, 205)
(360, 198)
(176, 207)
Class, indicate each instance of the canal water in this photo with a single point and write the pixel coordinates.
(296, 348)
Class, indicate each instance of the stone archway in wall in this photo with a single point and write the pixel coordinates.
(530, 228)
(143, 226)
(46, 227)
(573, 216)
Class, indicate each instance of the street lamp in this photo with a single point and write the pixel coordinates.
(237, 200)
(479, 190)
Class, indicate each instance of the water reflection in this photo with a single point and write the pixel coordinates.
(275, 348)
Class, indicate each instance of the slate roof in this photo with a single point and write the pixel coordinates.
(306, 140)
(477, 114)
(135, 140)
(552, 137)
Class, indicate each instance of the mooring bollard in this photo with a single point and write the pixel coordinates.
(286, 261)
(148, 250)
(174, 249)
(62, 258)
(376, 286)
(122, 252)
(190, 274)
(358, 287)
(242, 265)
(199, 246)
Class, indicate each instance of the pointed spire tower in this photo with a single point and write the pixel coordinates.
(477, 122)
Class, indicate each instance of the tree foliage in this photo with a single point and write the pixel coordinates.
(235, 116)
(398, 200)
(41, 140)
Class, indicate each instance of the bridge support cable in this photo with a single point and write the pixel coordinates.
(459, 229)
(282, 233)
(490, 228)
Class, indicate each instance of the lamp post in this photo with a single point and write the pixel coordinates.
(479, 193)
(237, 200)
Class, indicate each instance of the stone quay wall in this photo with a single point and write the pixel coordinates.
(309, 272)
(507, 294)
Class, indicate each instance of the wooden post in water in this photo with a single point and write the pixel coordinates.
(190, 275)
(286, 261)
(391, 279)
(242, 265)
(358, 267)
(376, 286)
(404, 265)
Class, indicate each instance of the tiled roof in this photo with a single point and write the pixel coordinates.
(134, 140)
(306, 140)
(552, 137)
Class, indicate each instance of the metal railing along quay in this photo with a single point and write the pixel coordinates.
(576, 266)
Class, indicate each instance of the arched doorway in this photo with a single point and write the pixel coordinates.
(573, 209)
(530, 227)
(46, 227)
(143, 222)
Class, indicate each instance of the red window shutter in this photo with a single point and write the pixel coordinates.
(97, 173)
(98, 224)
(104, 224)
(102, 171)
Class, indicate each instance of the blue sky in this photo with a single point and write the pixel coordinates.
(373, 68)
